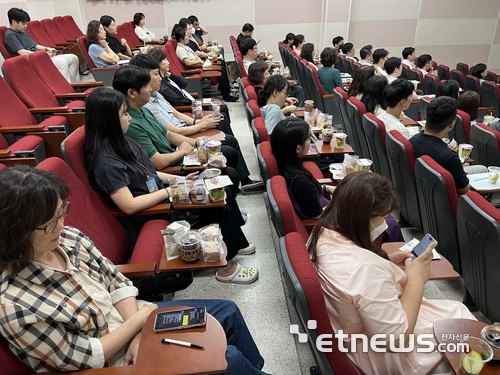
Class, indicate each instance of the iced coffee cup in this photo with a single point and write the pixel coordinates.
(464, 150)
(340, 140)
(327, 135)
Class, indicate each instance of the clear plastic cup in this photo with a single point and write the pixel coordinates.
(364, 165)
(327, 135)
(478, 354)
(494, 174)
(340, 140)
(464, 150)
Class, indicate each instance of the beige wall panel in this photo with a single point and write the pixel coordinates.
(455, 31)
(41, 9)
(363, 10)
(494, 60)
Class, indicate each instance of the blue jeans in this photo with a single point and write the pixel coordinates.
(243, 357)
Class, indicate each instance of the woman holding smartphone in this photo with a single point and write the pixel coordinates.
(366, 292)
(118, 167)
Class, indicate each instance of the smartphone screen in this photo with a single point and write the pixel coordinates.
(180, 319)
(422, 245)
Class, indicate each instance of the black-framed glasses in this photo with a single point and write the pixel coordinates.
(49, 228)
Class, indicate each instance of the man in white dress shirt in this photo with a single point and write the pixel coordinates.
(409, 56)
(366, 55)
(424, 64)
(380, 55)
(249, 51)
(398, 96)
(393, 68)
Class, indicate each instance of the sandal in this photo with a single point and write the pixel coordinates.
(242, 275)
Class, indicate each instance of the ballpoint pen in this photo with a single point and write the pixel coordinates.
(182, 343)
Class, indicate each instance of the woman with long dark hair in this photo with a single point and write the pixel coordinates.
(298, 43)
(362, 75)
(373, 95)
(99, 50)
(289, 38)
(365, 291)
(120, 169)
(187, 57)
(307, 53)
(291, 140)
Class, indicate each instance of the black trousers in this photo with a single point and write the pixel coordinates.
(236, 156)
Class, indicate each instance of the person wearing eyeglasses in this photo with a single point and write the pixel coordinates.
(66, 307)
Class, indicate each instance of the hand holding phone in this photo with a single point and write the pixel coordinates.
(423, 245)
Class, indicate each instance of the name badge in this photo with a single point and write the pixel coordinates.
(152, 186)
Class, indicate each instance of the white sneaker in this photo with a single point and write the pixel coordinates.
(250, 249)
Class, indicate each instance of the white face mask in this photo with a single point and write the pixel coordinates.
(377, 231)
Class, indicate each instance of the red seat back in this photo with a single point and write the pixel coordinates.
(128, 29)
(374, 129)
(245, 82)
(443, 72)
(72, 150)
(60, 23)
(27, 85)
(401, 158)
(10, 363)
(82, 43)
(254, 108)
(2, 167)
(286, 220)
(486, 142)
(479, 235)
(463, 67)
(242, 70)
(170, 49)
(54, 33)
(490, 96)
(437, 196)
(49, 74)
(270, 160)
(431, 83)
(3, 48)
(298, 267)
(355, 111)
(13, 110)
(72, 26)
(260, 127)
(39, 35)
(472, 83)
(251, 93)
(90, 215)
(461, 131)
(458, 76)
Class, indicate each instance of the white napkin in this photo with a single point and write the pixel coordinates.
(207, 64)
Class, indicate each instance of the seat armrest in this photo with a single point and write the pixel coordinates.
(49, 109)
(71, 95)
(72, 41)
(21, 128)
(210, 73)
(192, 71)
(213, 67)
(171, 170)
(309, 224)
(198, 78)
(328, 96)
(181, 108)
(326, 181)
(88, 84)
(103, 69)
(162, 208)
(194, 94)
(137, 270)
(5, 153)
(65, 44)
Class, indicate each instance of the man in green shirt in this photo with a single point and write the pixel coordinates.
(159, 143)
